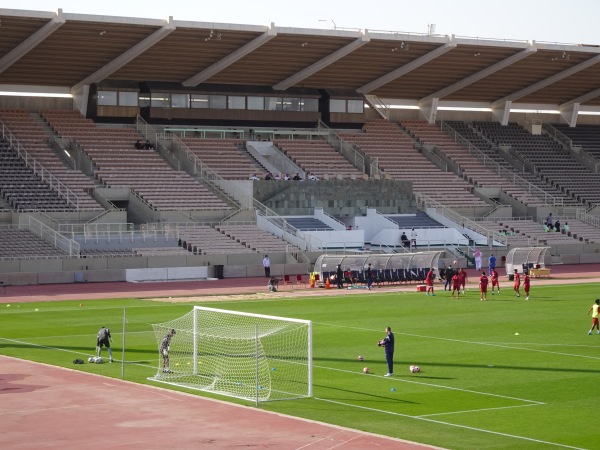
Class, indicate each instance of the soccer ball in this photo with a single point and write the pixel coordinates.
(360, 358)
(366, 370)
(415, 369)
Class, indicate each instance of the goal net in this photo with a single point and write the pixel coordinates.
(243, 355)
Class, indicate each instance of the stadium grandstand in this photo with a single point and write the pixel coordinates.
(119, 152)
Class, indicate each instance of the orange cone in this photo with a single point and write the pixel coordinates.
(327, 283)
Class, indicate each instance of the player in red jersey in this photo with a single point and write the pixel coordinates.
(429, 279)
(495, 281)
(462, 275)
(517, 285)
(456, 285)
(483, 284)
(526, 285)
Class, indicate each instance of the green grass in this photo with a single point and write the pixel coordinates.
(481, 386)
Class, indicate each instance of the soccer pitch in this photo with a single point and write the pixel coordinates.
(506, 373)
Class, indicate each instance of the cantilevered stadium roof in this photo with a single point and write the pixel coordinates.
(64, 52)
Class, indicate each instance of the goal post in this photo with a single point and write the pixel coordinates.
(244, 355)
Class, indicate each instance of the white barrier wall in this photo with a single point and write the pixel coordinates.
(166, 274)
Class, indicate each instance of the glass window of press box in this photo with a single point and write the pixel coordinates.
(120, 98)
(217, 101)
(346, 106)
(160, 100)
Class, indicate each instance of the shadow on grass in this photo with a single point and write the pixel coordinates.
(492, 367)
(428, 364)
(370, 396)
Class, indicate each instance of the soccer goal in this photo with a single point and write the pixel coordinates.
(243, 355)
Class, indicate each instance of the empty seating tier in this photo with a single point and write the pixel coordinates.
(318, 157)
(551, 160)
(227, 157)
(257, 239)
(34, 140)
(119, 164)
(24, 244)
(397, 157)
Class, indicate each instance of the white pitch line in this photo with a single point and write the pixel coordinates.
(476, 410)
(462, 341)
(135, 363)
(437, 386)
(425, 419)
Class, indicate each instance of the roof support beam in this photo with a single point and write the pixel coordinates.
(32, 41)
(400, 71)
(481, 74)
(429, 109)
(582, 99)
(550, 80)
(501, 112)
(569, 114)
(222, 64)
(128, 55)
(321, 64)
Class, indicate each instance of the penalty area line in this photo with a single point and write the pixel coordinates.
(465, 427)
(440, 386)
(476, 410)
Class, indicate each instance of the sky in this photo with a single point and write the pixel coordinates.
(569, 22)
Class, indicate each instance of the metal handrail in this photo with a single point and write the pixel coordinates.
(488, 162)
(428, 202)
(39, 169)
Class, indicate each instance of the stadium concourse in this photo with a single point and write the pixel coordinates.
(63, 405)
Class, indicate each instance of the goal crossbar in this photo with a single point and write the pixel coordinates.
(252, 356)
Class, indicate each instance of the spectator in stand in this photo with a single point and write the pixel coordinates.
(413, 239)
(566, 227)
(287, 177)
(139, 145)
(148, 145)
(268, 176)
(277, 177)
(549, 220)
(312, 176)
(557, 226)
(254, 177)
(296, 177)
(404, 240)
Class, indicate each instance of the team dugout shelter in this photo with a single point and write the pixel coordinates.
(526, 260)
(387, 268)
